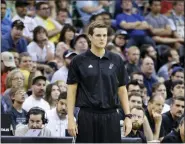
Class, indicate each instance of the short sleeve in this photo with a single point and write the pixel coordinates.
(81, 4)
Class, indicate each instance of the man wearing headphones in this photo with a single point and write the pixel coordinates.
(36, 121)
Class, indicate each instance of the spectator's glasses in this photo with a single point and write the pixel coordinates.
(18, 78)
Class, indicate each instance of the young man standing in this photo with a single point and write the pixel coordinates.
(96, 79)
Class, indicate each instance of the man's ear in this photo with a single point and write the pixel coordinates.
(90, 37)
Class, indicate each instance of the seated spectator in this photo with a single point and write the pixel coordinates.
(7, 64)
(133, 55)
(176, 136)
(67, 35)
(38, 92)
(36, 122)
(171, 118)
(176, 74)
(18, 114)
(16, 58)
(58, 120)
(177, 89)
(13, 40)
(63, 17)
(15, 79)
(154, 116)
(42, 19)
(137, 122)
(107, 19)
(29, 23)
(134, 24)
(52, 94)
(145, 97)
(6, 24)
(81, 43)
(137, 76)
(41, 49)
(147, 68)
(49, 69)
(62, 73)
(166, 7)
(62, 85)
(133, 86)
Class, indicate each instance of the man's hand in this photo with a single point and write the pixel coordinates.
(157, 117)
(127, 127)
(72, 127)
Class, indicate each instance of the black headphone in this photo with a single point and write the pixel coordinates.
(36, 111)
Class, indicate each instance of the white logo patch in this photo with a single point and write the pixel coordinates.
(90, 66)
(111, 66)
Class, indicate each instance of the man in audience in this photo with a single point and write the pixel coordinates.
(16, 58)
(171, 118)
(18, 114)
(153, 114)
(176, 136)
(138, 76)
(36, 99)
(62, 73)
(133, 86)
(63, 17)
(135, 25)
(13, 40)
(36, 121)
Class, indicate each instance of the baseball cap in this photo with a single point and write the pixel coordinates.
(122, 32)
(80, 36)
(175, 69)
(18, 24)
(21, 3)
(8, 59)
(35, 79)
(69, 53)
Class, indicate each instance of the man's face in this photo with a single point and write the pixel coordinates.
(21, 11)
(17, 32)
(62, 108)
(106, 19)
(17, 80)
(16, 58)
(35, 121)
(99, 18)
(179, 7)
(147, 66)
(19, 96)
(62, 16)
(152, 52)
(134, 88)
(178, 90)
(156, 7)
(44, 11)
(135, 101)
(137, 119)
(157, 104)
(99, 38)
(39, 88)
(81, 45)
(120, 40)
(127, 5)
(55, 92)
(3, 10)
(133, 56)
(175, 56)
(138, 78)
(178, 76)
(161, 90)
(68, 61)
(26, 63)
(177, 108)
(62, 86)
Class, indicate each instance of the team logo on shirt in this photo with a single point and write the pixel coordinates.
(111, 66)
(90, 66)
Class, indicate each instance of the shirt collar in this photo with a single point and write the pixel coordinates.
(93, 56)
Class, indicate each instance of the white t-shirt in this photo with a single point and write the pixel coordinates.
(60, 74)
(166, 108)
(32, 102)
(57, 126)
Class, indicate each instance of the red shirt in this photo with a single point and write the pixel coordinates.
(3, 81)
(166, 5)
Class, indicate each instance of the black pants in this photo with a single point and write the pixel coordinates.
(98, 126)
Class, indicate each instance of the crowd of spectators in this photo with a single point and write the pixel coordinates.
(40, 38)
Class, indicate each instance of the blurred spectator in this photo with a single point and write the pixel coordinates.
(42, 19)
(13, 40)
(7, 64)
(62, 85)
(81, 43)
(36, 121)
(57, 117)
(29, 23)
(62, 73)
(170, 119)
(62, 4)
(16, 58)
(133, 55)
(134, 24)
(41, 49)
(145, 97)
(49, 70)
(137, 122)
(63, 17)
(31, 12)
(147, 68)
(135, 100)
(138, 76)
(52, 94)
(133, 87)
(4, 107)
(166, 7)
(107, 19)
(177, 89)
(67, 35)
(38, 92)
(5, 22)
(18, 114)
(153, 114)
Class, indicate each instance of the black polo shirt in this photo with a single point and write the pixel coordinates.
(138, 134)
(98, 79)
(152, 124)
(168, 122)
(173, 137)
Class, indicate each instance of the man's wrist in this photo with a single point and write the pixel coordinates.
(128, 116)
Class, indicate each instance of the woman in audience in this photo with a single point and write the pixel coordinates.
(62, 85)
(67, 35)
(52, 94)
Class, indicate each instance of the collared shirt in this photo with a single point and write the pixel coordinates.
(7, 44)
(173, 137)
(6, 26)
(98, 79)
(60, 74)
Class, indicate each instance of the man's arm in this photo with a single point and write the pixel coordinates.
(161, 31)
(91, 9)
(129, 25)
(158, 121)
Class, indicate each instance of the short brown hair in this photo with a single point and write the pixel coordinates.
(156, 86)
(96, 24)
(13, 91)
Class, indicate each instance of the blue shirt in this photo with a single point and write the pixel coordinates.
(7, 44)
(6, 26)
(129, 19)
